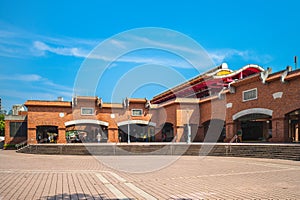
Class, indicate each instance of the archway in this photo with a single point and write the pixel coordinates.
(138, 130)
(214, 130)
(167, 132)
(253, 124)
(86, 130)
(254, 127)
(293, 119)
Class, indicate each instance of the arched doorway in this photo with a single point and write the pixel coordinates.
(86, 130)
(138, 130)
(254, 127)
(46, 134)
(87, 133)
(167, 132)
(214, 130)
(293, 119)
(254, 124)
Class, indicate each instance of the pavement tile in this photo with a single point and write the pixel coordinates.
(25, 176)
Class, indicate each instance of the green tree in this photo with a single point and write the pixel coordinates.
(2, 125)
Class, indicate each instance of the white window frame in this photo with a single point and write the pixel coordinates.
(92, 109)
(132, 110)
(254, 89)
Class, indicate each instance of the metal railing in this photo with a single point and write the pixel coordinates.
(228, 147)
(21, 145)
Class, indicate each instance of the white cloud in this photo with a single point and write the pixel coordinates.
(22, 87)
(157, 60)
(221, 55)
(21, 44)
(65, 51)
(21, 77)
(169, 45)
(18, 43)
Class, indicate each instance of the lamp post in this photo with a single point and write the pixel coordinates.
(128, 130)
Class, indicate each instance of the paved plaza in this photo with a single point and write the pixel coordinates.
(26, 176)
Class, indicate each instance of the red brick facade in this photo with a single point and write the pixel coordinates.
(267, 99)
(274, 113)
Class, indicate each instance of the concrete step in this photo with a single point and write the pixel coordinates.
(290, 152)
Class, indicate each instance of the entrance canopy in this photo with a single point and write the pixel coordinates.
(136, 122)
(86, 121)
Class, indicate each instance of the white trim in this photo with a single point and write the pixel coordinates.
(86, 121)
(136, 122)
(255, 89)
(277, 95)
(238, 71)
(252, 111)
(229, 105)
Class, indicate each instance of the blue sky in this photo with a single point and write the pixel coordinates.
(43, 43)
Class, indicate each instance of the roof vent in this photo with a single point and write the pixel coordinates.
(60, 98)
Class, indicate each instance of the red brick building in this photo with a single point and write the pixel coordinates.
(214, 106)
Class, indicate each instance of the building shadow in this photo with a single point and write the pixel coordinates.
(80, 196)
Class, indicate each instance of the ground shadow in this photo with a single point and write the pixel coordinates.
(78, 196)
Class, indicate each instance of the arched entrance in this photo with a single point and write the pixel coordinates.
(254, 125)
(214, 130)
(293, 119)
(167, 132)
(86, 130)
(138, 130)
(46, 134)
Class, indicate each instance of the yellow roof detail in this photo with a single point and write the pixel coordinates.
(223, 72)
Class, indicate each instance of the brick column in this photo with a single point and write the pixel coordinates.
(31, 134)
(230, 131)
(113, 135)
(61, 136)
(158, 134)
(200, 134)
(279, 130)
(179, 133)
(7, 133)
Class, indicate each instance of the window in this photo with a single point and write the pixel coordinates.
(136, 112)
(250, 94)
(17, 129)
(87, 111)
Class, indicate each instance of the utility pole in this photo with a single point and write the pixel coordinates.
(296, 61)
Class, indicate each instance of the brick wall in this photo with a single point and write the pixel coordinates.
(289, 102)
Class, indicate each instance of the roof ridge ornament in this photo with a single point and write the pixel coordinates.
(99, 102)
(126, 103)
(285, 73)
(74, 101)
(264, 75)
(148, 104)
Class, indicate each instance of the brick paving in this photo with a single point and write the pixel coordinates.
(26, 176)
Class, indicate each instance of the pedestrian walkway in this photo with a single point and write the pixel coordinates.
(25, 176)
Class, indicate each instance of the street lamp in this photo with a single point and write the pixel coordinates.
(128, 130)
